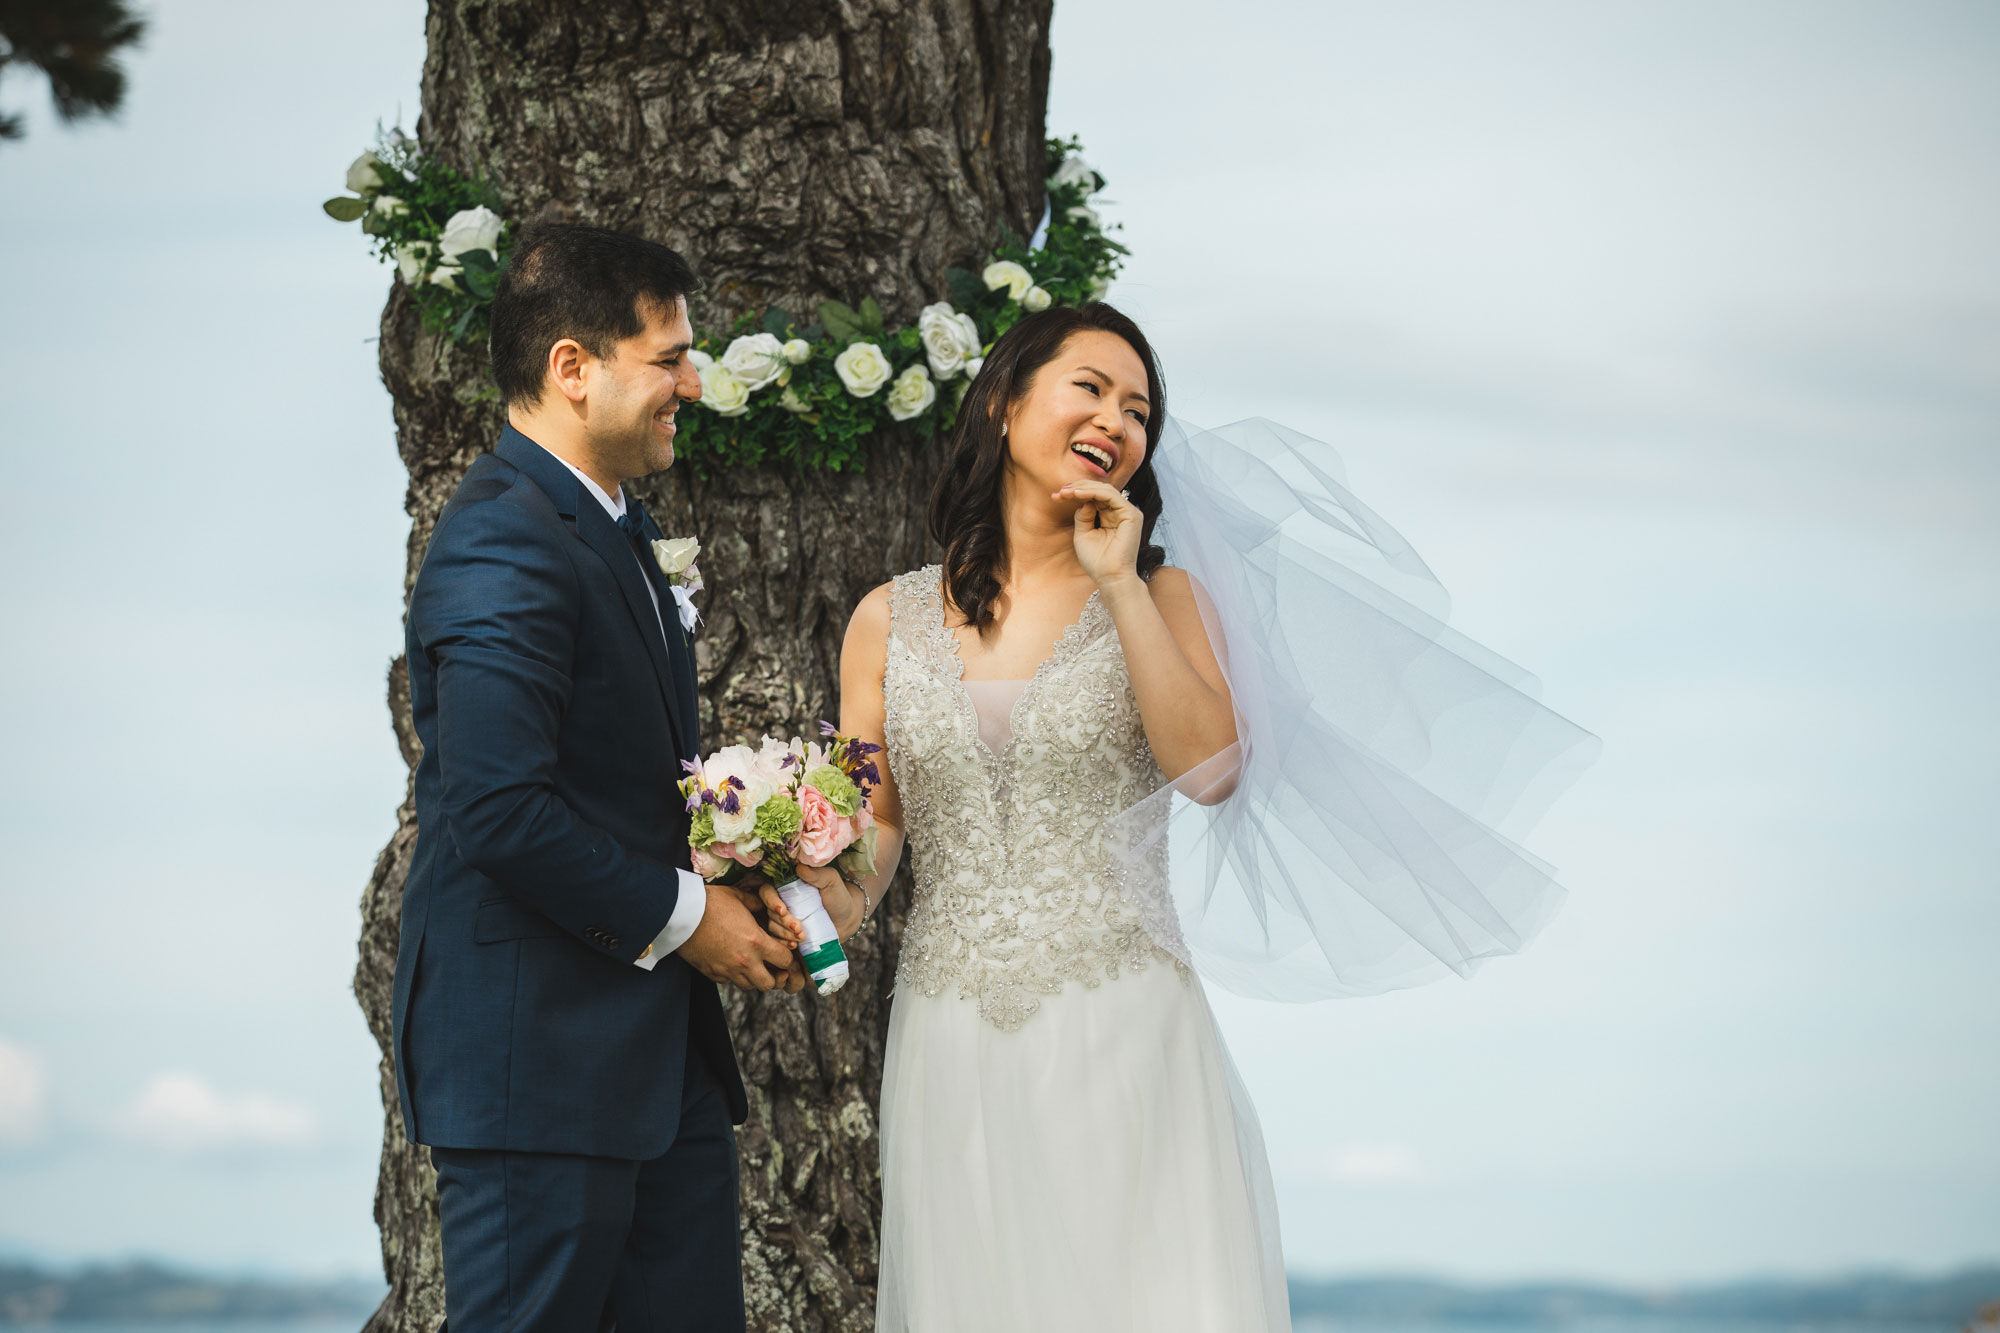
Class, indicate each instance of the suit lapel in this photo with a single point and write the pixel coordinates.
(683, 642)
(595, 529)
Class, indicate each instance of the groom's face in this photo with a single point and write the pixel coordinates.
(640, 388)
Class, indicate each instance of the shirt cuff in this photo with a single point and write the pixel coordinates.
(687, 915)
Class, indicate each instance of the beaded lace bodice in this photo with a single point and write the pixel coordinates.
(1017, 886)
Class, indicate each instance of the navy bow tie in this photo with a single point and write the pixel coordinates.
(633, 523)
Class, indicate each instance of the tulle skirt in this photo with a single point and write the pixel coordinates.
(1099, 1170)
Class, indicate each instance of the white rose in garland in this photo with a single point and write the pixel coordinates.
(972, 367)
(389, 206)
(756, 359)
(798, 351)
(411, 258)
(912, 394)
(948, 337)
(471, 229)
(1075, 171)
(791, 402)
(862, 368)
(362, 177)
(699, 359)
(1034, 299)
(1005, 273)
(722, 392)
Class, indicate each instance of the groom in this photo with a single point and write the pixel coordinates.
(559, 1037)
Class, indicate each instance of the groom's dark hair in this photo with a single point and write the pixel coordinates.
(566, 280)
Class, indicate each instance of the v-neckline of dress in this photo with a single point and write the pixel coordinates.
(1065, 642)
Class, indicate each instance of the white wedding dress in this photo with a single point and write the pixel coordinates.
(1065, 1145)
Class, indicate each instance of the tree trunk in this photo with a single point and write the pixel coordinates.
(796, 152)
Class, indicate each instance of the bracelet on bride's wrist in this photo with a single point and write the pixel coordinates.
(867, 904)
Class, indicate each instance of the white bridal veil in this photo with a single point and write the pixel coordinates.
(1363, 833)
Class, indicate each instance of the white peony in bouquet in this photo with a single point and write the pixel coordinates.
(783, 805)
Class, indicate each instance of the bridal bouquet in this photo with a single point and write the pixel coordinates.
(780, 806)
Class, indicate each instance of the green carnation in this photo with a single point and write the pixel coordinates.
(778, 819)
(701, 829)
(838, 788)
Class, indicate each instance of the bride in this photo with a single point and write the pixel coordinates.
(1065, 1145)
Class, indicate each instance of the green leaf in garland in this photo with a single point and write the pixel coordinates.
(842, 324)
(964, 288)
(345, 208)
(778, 322)
(459, 330)
(871, 316)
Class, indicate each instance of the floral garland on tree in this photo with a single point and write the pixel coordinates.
(777, 386)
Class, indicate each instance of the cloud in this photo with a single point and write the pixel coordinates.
(24, 1091)
(181, 1113)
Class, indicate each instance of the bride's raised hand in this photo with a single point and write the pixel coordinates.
(1107, 530)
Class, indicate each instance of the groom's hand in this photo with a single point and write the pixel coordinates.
(732, 947)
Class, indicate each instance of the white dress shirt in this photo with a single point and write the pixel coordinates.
(693, 898)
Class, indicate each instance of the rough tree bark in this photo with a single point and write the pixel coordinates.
(796, 151)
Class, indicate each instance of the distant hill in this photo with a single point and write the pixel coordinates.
(34, 1295)
(1950, 1301)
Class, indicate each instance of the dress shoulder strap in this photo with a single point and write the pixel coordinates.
(916, 619)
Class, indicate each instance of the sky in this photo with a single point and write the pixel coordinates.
(1668, 333)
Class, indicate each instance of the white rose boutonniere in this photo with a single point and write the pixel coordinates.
(949, 339)
(862, 368)
(756, 359)
(676, 557)
(912, 393)
(676, 554)
(1008, 275)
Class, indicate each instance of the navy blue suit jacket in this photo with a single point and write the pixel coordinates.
(554, 716)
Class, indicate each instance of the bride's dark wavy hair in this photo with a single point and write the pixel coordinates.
(965, 517)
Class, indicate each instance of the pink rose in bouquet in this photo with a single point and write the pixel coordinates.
(824, 832)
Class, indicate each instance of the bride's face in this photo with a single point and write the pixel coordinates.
(1083, 417)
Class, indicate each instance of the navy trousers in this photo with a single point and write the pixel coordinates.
(549, 1243)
